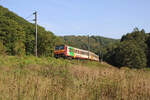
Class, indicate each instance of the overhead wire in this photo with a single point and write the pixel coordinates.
(29, 16)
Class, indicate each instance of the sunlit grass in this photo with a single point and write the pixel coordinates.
(30, 78)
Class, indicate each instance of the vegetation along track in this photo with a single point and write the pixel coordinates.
(30, 78)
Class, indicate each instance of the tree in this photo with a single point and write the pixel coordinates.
(19, 48)
(148, 50)
(18, 35)
(10, 33)
(2, 49)
(130, 54)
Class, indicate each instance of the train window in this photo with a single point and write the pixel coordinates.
(80, 52)
(59, 47)
(83, 53)
(76, 51)
(86, 53)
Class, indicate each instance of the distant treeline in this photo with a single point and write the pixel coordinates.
(133, 50)
(97, 44)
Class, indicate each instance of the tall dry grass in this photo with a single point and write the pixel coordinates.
(30, 78)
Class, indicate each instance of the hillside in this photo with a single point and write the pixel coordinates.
(30, 78)
(26, 77)
(17, 36)
(97, 43)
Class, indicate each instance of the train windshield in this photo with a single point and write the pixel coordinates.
(60, 47)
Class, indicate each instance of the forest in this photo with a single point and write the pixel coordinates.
(17, 38)
(97, 44)
(132, 50)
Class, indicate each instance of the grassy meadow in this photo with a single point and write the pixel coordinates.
(30, 78)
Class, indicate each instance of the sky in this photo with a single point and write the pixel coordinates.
(108, 18)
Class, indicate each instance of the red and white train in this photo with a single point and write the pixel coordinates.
(74, 53)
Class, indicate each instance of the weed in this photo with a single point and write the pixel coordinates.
(31, 78)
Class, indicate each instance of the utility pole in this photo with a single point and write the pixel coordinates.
(35, 13)
(88, 46)
(100, 51)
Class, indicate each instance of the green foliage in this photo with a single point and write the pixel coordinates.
(19, 48)
(47, 78)
(2, 48)
(132, 51)
(130, 54)
(18, 36)
(97, 43)
(10, 33)
(148, 50)
(110, 52)
(138, 36)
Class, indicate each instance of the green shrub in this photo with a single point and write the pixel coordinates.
(2, 49)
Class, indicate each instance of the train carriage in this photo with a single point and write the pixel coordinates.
(66, 51)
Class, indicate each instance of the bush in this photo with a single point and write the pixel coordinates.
(19, 48)
(2, 48)
(130, 54)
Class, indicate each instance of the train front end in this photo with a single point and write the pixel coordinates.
(60, 51)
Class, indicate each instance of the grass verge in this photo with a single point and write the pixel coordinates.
(30, 78)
